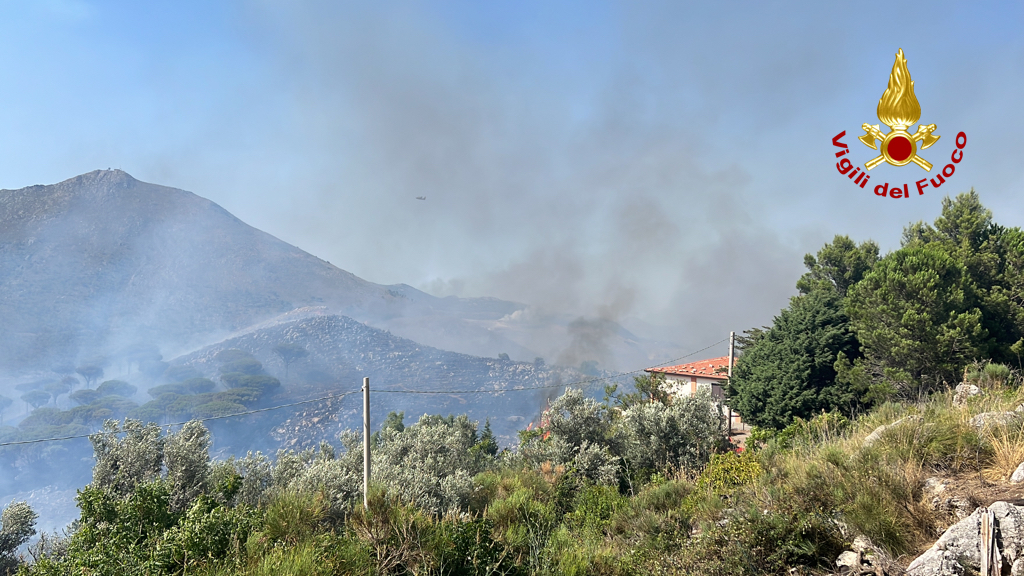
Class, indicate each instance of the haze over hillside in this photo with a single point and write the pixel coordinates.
(340, 352)
(102, 261)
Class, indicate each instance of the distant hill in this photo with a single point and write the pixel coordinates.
(341, 351)
(102, 263)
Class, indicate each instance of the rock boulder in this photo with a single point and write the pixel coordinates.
(987, 419)
(963, 392)
(959, 549)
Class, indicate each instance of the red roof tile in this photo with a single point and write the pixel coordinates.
(703, 368)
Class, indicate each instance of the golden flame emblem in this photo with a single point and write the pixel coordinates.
(899, 109)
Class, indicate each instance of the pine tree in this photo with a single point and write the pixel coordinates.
(788, 371)
(487, 444)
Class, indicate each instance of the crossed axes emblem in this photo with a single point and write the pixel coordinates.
(898, 146)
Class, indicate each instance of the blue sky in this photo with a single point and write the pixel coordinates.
(663, 161)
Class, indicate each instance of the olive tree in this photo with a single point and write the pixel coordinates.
(17, 525)
(576, 433)
(187, 454)
(431, 463)
(124, 462)
(681, 433)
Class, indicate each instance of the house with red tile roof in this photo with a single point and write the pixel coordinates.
(685, 379)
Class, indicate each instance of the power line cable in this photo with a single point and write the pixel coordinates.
(343, 394)
(233, 415)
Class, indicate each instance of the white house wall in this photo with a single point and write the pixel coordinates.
(680, 386)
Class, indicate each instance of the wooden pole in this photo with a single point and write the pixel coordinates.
(366, 443)
(732, 346)
(991, 560)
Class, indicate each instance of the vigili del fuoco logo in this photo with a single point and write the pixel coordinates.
(899, 110)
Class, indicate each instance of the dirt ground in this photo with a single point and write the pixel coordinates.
(739, 435)
(982, 493)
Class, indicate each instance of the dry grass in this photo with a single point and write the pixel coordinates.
(1007, 453)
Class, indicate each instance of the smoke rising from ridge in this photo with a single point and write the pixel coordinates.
(565, 149)
(563, 198)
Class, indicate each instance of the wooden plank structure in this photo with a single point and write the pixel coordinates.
(991, 559)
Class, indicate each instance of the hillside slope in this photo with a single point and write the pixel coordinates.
(103, 261)
(342, 351)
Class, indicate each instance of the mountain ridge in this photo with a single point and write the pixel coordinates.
(103, 261)
(104, 252)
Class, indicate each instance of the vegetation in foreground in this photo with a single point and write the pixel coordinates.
(577, 498)
(639, 484)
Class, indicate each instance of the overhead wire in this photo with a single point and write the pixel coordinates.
(232, 415)
(375, 391)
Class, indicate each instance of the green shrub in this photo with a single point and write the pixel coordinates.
(988, 375)
(574, 554)
(820, 428)
(729, 471)
(942, 439)
(755, 541)
(654, 518)
(522, 514)
(873, 494)
(290, 517)
(397, 534)
(308, 558)
(496, 484)
(593, 508)
(468, 547)
(207, 532)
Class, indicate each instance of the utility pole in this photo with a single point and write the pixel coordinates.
(732, 354)
(366, 443)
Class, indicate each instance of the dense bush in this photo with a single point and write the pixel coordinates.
(442, 504)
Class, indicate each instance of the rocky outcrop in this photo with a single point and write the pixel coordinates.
(959, 550)
(864, 558)
(941, 502)
(963, 392)
(988, 419)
